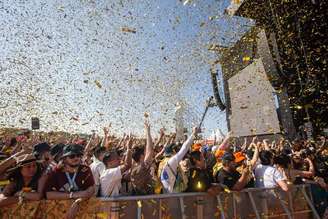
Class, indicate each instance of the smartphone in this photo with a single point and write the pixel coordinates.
(35, 123)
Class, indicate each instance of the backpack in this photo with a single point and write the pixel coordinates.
(181, 178)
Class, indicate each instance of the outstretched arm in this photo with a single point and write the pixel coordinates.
(244, 146)
(89, 144)
(255, 156)
(149, 154)
(266, 145)
(128, 158)
(224, 145)
(121, 141)
(161, 135)
(174, 161)
(11, 161)
(105, 139)
(167, 143)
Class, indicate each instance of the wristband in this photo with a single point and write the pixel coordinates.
(21, 197)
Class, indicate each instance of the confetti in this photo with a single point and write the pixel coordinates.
(130, 72)
(186, 2)
(98, 84)
(102, 215)
(128, 30)
(246, 58)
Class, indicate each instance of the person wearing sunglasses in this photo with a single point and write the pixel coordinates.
(71, 180)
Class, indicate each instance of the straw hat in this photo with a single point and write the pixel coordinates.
(23, 160)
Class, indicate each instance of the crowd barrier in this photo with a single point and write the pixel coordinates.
(249, 203)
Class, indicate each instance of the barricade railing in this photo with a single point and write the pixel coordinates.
(249, 203)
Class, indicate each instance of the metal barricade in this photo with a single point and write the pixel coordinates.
(249, 203)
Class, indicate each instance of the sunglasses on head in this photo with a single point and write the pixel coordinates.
(73, 156)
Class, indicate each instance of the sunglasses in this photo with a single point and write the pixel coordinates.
(74, 156)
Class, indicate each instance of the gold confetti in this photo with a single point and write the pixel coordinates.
(226, 190)
(199, 185)
(128, 30)
(102, 215)
(139, 203)
(98, 84)
(246, 58)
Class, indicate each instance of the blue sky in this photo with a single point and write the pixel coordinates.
(69, 63)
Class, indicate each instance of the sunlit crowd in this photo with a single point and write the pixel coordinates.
(76, 168)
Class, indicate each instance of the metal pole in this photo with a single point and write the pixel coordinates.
(290, 202)
(160, 209)
(315, 213)
(115, 210)
(183, 215)
(220, 206)
(139, 205)
(283, 206)
(204, 114)
(234, 206)
(253, 205)
(200, 209)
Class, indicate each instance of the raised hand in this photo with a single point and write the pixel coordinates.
(254, 139)
(162, 132)
(106, 130)
(195, 130)
(147, 125)
(173, 135)
(130, 141)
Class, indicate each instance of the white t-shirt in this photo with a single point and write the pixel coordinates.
(110, 182)
(168, 173)
(267, 176)
(97, 167)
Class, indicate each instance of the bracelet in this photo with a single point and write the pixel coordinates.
(71, 195)
(21, 197)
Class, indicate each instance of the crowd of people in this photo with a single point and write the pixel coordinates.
(34, 169)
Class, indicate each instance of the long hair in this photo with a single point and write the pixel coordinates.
(18, 179)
